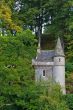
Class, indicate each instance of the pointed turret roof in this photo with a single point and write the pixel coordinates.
(59, 50)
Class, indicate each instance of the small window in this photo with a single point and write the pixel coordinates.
(59, 59)
(43, 72)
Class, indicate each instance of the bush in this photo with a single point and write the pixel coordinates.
(44, 97)
(69, 67)
(69, 101)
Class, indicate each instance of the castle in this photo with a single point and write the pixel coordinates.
(50, 64)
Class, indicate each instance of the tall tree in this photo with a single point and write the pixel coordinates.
(33, 14)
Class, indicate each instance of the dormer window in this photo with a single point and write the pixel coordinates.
(43, 72)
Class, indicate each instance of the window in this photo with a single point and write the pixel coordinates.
(43, 72)
(59, 59)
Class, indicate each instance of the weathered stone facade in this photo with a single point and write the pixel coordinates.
(50, 65)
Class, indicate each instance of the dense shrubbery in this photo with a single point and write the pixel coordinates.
(69, 67)
(69, 77)
(69, 101)
(42, 97)
(16, 71)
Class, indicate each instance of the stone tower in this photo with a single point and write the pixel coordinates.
(59, 66)
(50, 65)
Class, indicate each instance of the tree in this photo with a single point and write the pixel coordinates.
(6, 17)
(33, 14)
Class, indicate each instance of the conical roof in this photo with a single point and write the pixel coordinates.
(59, 50)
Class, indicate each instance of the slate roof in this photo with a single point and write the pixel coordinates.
(46, 55)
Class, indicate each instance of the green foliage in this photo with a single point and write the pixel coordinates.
(44, 97)
(69, 101)
(16, 71)
(6, 17)
(27, 37)
(69, 67)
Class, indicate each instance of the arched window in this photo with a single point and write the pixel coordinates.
(43, 72)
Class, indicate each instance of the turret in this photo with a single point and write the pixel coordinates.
(59, 66)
